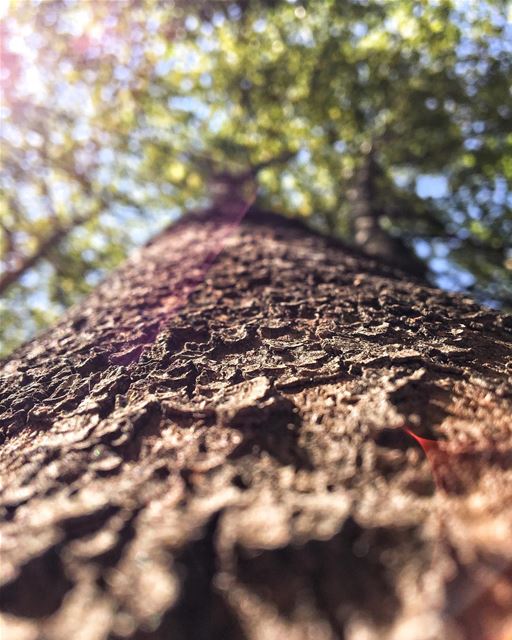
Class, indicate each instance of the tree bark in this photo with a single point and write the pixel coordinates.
(282, 439)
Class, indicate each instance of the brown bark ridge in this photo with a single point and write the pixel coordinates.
(282, 439)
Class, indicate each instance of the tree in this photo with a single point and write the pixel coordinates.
(222, 441)
(117, 113)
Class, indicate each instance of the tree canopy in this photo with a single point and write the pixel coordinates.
(116, 115)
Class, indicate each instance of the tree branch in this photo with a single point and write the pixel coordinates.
(10, 277)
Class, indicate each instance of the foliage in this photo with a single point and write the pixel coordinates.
(117, 114)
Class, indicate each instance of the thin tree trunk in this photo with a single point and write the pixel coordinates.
(366, 214)
(282, 439)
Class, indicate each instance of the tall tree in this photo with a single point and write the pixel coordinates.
(117, 113)
(223, 441)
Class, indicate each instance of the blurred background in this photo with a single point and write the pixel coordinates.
(385, 122)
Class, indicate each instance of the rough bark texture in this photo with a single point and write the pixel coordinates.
(231, 449)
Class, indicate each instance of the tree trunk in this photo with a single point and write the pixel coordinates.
(367, 212)
(285, 439)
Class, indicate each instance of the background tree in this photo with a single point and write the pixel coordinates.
(117, 114)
